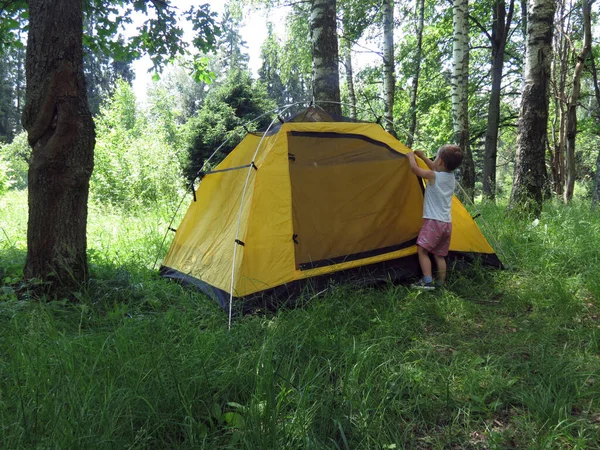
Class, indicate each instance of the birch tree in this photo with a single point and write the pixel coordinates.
(323, 34)
(389, 81)
(460, 91)
(530, 172)
(596, 189)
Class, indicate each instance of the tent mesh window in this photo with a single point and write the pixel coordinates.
(342, 189)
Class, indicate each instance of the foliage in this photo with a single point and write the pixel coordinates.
(270, 71)
(136, 160)
(230, 44)
(177, 87)
(16, 157)
(4, 178)
(227, 108)
(501, 359)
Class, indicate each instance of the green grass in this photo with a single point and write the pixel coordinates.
(501, 359)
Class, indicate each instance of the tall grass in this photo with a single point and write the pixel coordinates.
(501, 359)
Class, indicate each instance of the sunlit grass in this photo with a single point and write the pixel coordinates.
(501, 359)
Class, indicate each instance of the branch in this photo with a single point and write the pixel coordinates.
(481, 27)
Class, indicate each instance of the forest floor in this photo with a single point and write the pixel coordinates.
(500, 359)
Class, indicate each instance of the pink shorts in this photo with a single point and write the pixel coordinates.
(435, 237)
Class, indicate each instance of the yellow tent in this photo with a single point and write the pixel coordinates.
(310, 200)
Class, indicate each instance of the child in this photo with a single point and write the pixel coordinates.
(434, 236)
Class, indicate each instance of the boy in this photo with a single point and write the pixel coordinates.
(434, 237)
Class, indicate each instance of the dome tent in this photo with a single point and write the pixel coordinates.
(314, 198)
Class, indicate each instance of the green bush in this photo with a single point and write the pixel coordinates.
(15, 161)
(4, 181)
(135, 163)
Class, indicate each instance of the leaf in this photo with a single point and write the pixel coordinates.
(234, 419)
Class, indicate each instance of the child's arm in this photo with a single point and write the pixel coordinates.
(425, 159)
(419, 171)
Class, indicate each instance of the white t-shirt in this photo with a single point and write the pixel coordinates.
(438, 197)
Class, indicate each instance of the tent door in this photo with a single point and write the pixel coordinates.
(352, 198)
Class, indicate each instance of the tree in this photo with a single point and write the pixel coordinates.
(460, 92)
(501, 21)
(412, 128)
(270, 70)
(326, 82)
(356, 17)
(530, 171)
(61, 133)
(12, 73)
(389, 81)
(573, 101)
(226, 110)
(59, 123)
(596, 188)
(231, 54)
(347, 53)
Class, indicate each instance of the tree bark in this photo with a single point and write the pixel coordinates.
(323, 34)
(412, 128)
(389, 81)
(500, 28)
(61, 133)
(571, 125)
(460, 92)
(530, 170)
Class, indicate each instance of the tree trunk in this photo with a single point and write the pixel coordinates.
(412, 128)
(389, 81)
(61, 133)
(530, 170)
(323, 34)
(596, 191)
(560, 65)
(571, 125)
(350, 78)
(500, 30)
(460, 92)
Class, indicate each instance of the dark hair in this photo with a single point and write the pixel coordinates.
(451, 155)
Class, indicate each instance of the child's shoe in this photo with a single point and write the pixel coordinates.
(421, 284)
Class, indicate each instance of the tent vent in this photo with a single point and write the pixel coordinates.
(237, 241)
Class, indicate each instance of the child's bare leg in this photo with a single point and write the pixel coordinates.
(440, 262)
(424, 261)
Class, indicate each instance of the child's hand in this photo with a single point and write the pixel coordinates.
(420, 154)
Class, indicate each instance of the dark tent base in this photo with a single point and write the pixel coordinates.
(290, 294)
